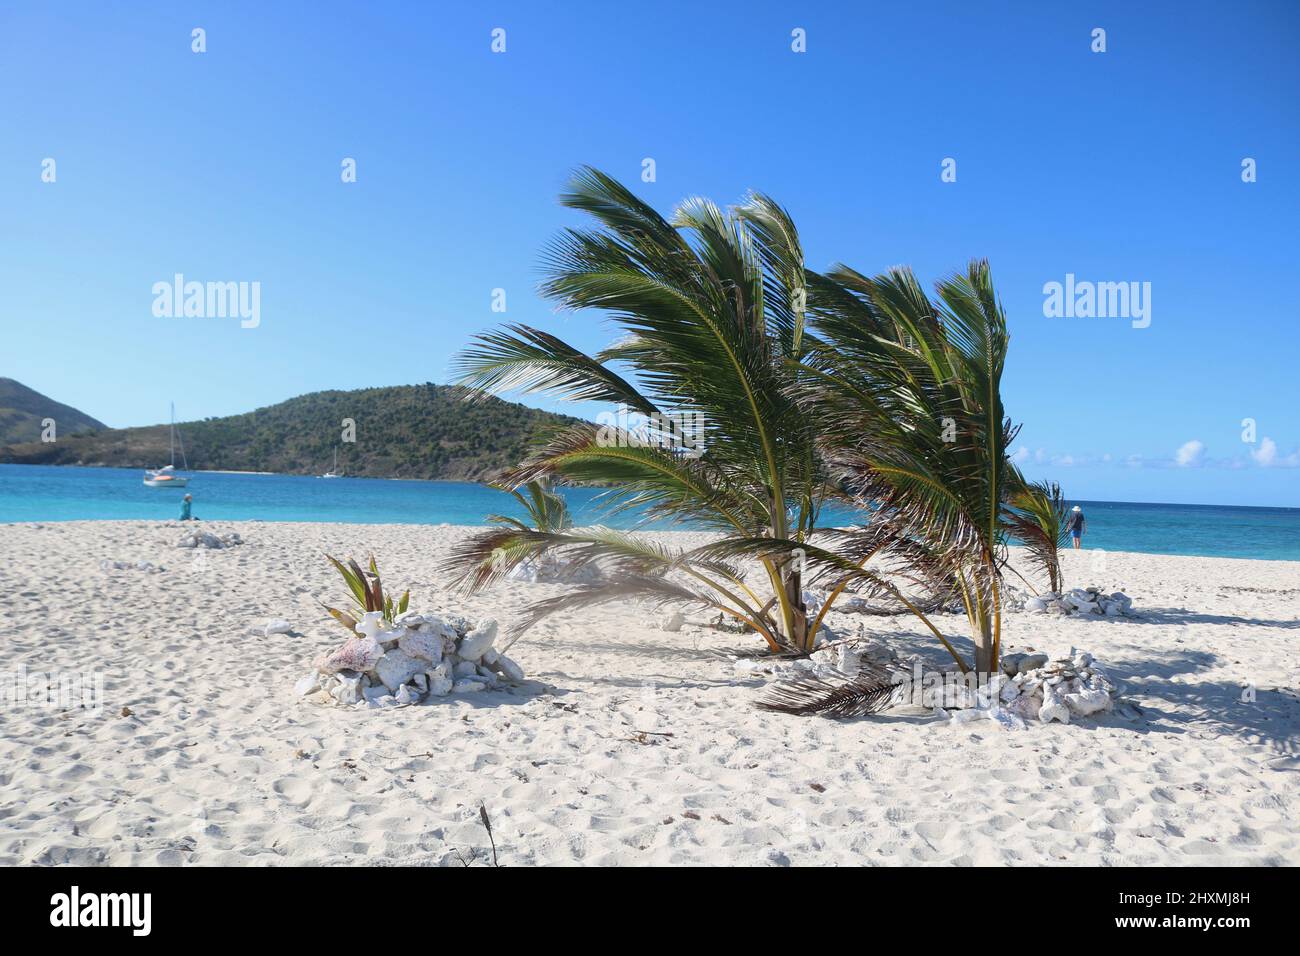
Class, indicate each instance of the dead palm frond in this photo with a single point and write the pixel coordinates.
(867, 692)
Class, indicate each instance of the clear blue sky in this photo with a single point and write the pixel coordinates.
(1121, 166)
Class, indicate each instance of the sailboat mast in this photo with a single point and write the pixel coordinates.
(171, 435)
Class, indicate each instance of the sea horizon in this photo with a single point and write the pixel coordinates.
(50, 493)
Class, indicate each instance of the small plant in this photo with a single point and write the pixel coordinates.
(367, 593)
(547, 509)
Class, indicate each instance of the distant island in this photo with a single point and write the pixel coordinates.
(406, 431)
(23, 412)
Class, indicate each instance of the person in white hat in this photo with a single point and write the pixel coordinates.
(1076, 524)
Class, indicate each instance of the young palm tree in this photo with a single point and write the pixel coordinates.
(547, 509)
(711, 308)
(908, 394)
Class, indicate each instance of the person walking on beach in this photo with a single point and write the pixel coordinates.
(1076, 524)
(185, 508)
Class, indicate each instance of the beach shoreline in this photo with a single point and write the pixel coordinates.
(626, 744)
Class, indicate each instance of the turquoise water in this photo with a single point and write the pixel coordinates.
(42, 493)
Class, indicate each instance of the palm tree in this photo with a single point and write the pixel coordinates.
(807, 386)
(907, 391)
(711, 307)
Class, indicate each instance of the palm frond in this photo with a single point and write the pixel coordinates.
(1035, 514)
(867, 692)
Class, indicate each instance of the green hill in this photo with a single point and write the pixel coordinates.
(22, 410)
(407, 431)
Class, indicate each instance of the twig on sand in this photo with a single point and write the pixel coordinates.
(473, 854)
(487, 825)
(643, 737)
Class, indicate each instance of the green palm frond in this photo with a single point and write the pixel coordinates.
(546, 507)
(1035, 514)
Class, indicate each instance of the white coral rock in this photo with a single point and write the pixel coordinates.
(477, 641)
(1088, 702)
(424, 645)
(1053, 708)
(509, 669)
(348, 689)
(307, 685)
(357, 654)
(398, 667)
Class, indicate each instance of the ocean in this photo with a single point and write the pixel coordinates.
(48, 493)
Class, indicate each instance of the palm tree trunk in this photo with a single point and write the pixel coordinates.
(984, 662)
(988, 631)
(800, 635)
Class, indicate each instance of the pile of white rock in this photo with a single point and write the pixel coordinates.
(1077, 601)
(207, 539)
(1035, 687)
(1029, 687)
(419, 657)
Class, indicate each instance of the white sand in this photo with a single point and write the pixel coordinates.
(218, 762)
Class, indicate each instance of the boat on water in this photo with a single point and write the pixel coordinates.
(166, 476)
(333, 472)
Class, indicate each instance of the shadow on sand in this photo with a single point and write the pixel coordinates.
(1174, 701)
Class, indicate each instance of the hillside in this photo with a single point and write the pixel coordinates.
(22, 409)
(408, 431)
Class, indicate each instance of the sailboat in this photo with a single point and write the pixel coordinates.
(334, 472)
(166, 476)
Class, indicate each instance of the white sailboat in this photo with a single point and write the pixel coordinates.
(166, 476)
(334, 472)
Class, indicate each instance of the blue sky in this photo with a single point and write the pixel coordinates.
(225, 166)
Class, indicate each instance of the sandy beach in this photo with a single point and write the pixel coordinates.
(627, 744)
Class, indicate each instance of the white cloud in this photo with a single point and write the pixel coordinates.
(1021, 456)
(1189, 453)
(1266, 453)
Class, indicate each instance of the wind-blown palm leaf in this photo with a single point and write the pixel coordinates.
(655, 481)
(650, 590)
(530, 360)
(1036, 516)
